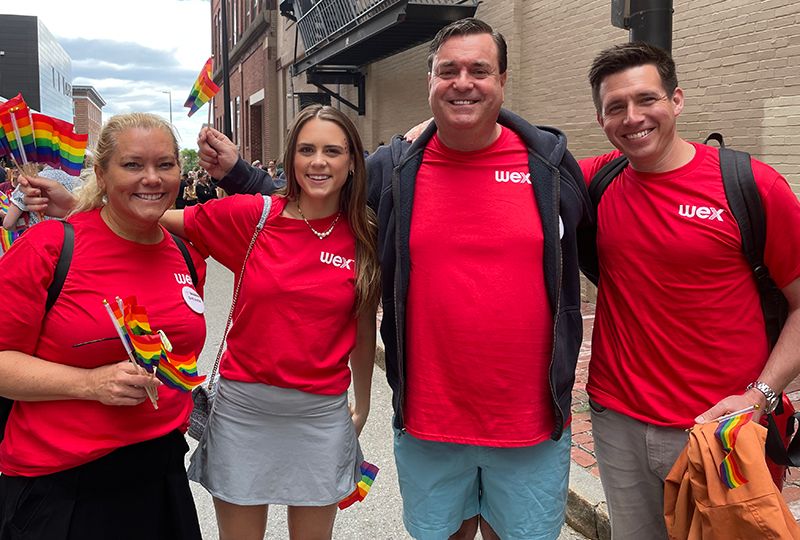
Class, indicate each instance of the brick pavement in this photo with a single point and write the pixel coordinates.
(583, 444)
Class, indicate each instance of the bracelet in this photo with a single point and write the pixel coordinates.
(769, 393)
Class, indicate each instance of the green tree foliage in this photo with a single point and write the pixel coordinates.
(189, 159)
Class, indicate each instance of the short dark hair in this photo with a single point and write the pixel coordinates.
(628, 55)
(468, 27)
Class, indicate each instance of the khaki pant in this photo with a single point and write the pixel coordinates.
(634, 459)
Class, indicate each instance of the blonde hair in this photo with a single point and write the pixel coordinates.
(353, 201)
(91, 195)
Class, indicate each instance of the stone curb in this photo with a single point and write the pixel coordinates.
(586, 504)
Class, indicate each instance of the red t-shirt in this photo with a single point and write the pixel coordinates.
(50, 436)
(295, 323)
(678, 323)
(479, 326)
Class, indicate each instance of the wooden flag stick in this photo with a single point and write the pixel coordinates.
(151, 392)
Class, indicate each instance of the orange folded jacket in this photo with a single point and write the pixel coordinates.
(698, 505)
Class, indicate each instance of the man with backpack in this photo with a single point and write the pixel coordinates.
(679, 333)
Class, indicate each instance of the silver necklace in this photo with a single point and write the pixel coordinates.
(320, 235)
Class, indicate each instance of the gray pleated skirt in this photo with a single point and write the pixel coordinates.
(270, 445)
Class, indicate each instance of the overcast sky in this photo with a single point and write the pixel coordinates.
(132, 51)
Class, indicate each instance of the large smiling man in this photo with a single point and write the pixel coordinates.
(481, 298)
(679, 332)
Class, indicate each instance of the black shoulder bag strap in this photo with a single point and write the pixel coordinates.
(748, 211)
(186, 257)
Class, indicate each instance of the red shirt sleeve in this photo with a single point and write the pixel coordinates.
(222, 228)
(27, 271)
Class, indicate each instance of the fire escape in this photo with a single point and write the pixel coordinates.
(340, 37)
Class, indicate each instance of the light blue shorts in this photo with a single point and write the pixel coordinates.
(520, 492)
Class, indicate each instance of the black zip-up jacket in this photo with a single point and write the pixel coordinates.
(560, 192)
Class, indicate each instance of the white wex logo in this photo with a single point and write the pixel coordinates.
(183, 279)
(512, 176)
(336, 260)
(701, 212)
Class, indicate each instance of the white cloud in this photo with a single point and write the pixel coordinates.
(157, 45)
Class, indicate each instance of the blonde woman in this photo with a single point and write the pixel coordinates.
(85, 454)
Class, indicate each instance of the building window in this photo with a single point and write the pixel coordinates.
(236, 119)
(235, 21)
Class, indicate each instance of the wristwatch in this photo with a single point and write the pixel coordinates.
(769, 393)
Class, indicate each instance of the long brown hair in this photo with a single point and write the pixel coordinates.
(353, 200)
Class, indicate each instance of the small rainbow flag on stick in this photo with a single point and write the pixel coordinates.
(148, 348)
(203, 90)
(368, 474)
(179, 372)
(727, 432)
(37, 138)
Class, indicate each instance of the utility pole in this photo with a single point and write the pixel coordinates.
(226, 91)
(648, 20)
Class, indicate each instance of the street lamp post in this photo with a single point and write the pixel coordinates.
(170, 103)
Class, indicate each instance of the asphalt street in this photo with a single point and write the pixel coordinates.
(379, 516)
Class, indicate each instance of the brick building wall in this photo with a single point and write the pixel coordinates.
(87, 117)
(737, 63)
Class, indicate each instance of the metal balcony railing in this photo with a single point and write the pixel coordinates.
(329, 19)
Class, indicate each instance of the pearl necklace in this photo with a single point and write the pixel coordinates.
(320, 235)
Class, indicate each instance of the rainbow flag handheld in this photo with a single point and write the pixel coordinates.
(12, 135)
(43, 136)
(368, 474)
(203, 90)
(179, 372)
(147, 350)
(31, 137)
(71, 147)
(727, 432)
(146, 347)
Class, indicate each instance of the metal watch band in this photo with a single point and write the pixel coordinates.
(769, 393)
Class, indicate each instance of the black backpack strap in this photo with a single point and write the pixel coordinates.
(745, 204)
(587, 239)
(603, 178)
(186, 257)
(62, 266)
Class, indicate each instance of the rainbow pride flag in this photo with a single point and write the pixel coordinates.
(147, 347)
(71, 147)
(14, 145)
(136, 320)
(183, 378)
(7, 237)
(727, 432)
(147, 350)
(32, 137)
(368, 474)
(203, 90)
(43, 136)
(21, 120)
